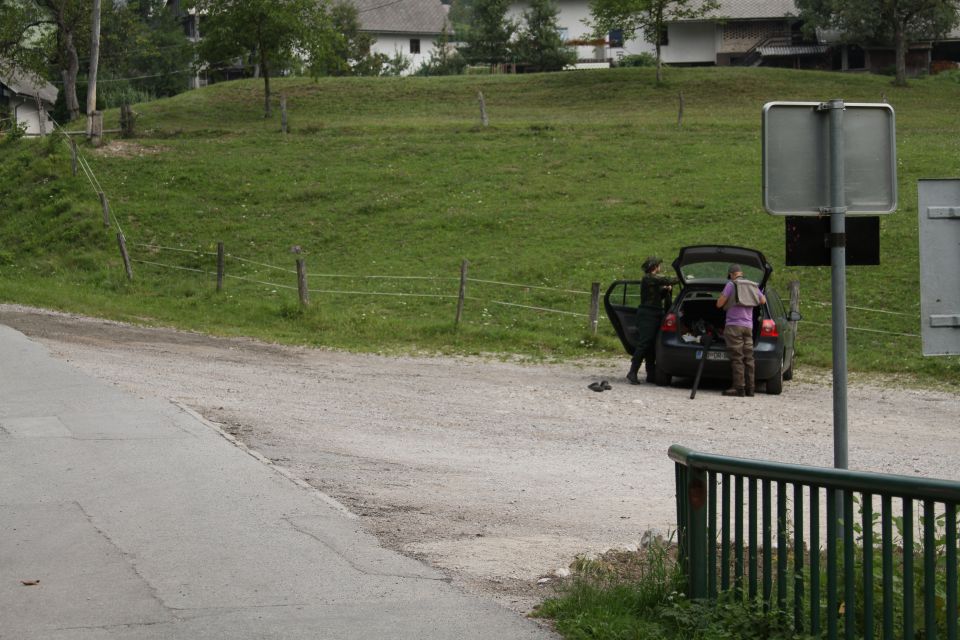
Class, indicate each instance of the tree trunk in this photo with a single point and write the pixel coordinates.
(901, 55)
(94, 64)
(70, 75)
(659, 66)
(266, 83)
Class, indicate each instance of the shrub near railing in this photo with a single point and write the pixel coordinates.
(832, 582)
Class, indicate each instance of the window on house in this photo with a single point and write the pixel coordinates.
(564, 33)
(616, 38)
(664, 36)
(414, 45)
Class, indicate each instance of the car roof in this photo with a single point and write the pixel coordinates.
(718, 253)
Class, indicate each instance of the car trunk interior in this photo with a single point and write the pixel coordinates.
(697, 314)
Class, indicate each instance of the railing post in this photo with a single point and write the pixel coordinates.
(697, 531)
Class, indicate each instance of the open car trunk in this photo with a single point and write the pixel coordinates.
(698, 315)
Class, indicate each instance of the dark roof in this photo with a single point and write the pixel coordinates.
(28, 85)
(401, 16)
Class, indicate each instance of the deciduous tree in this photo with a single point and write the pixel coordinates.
(273, 31)
(884, 22)
(648, 18)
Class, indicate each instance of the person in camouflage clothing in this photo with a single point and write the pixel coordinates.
(656, 290)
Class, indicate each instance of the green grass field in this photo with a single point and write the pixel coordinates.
(578, 177)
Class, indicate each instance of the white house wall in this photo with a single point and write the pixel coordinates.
(390, 44)
(28, 115)
(690, 42)
(572, 18)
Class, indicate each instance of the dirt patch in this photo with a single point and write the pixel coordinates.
(497, 472)
(126, 149)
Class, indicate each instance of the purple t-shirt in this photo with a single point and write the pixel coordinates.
(737, 315)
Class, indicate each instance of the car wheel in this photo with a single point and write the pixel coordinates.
(661, 378)
(775, 384)
(788, 374)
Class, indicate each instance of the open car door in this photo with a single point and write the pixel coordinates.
(621, 302)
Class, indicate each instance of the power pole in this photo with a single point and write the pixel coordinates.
(94, 63)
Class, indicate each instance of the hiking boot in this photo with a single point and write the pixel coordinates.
(749, 393)
(632, 376)
(736, 393)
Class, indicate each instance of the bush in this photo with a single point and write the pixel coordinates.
(638, 60)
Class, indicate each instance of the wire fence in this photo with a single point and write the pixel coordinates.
(441, 292)
(444, 286)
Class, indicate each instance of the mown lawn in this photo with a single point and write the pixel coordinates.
(578, 177)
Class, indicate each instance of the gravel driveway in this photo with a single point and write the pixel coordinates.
(496, 472)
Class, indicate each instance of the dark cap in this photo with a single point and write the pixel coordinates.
(650, 263)
(734, 268)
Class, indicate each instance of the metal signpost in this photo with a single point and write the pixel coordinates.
(836, 159)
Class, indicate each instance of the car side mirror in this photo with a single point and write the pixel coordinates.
(794, 316)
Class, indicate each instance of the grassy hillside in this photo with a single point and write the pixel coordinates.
(577, 178)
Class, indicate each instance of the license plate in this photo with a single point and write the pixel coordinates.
(713, 355)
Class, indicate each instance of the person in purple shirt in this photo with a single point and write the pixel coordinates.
(738, 333)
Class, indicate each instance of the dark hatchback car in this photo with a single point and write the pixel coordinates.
(693, 319)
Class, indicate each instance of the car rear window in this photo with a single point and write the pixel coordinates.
(716, 271)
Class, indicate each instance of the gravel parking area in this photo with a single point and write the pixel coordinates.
(497, 472)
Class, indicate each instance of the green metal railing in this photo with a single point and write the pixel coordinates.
(826, 570)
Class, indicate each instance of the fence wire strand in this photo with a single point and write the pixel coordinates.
(170, 266)
(850, 306)
(162, 248)
(528, 286)
(892, 333)
(260, 264)
(377, 277)
(526, 306)
(268, 284)
(386, 293)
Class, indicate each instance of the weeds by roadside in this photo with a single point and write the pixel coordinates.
(640, 594)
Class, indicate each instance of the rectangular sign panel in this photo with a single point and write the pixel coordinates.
(796, 159)
(808, 241)
(939, 218)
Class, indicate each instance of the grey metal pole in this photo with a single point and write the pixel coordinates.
(838, 261)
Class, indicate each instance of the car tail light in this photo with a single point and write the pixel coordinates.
(768, 329)
(669, 323)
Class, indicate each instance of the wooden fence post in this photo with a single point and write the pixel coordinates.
(794, 288)
(283, 113)
(73, 155)
(594, 306)
(302, 283)
(680, 113)
(127, 120)
(483, 109)
(463, 290)
(219, 267)
(105, 205)
(96, 128)
(123, 253)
